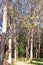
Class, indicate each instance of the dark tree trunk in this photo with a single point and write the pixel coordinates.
(2, 49)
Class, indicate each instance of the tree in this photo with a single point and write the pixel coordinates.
(4, 27)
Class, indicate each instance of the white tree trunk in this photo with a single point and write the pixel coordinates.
(15, 49)
(31, 50)
(4, 27)
(9, 58)
(4, 19)
(15, 54)
(36, 53)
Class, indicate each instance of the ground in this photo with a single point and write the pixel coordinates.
(21, 63)
(26, 62)
(34, 62)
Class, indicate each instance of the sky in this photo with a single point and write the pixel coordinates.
(24, 7)
(0, 17)
(0, 25)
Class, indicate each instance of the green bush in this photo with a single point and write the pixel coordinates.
(22, 40)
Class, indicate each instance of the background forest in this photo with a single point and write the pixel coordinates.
(21, 30)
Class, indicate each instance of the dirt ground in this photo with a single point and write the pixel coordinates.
(21, 63)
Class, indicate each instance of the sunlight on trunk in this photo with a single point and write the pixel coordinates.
(31, 51)
(9, 58)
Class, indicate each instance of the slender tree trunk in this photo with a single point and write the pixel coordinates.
(15, 50)
(36, 53)
(31, 50)
(39, 45)
(4, 18)
(27, 52)
(9, 58)
(15, 43)
(39, 50)
(4, 26)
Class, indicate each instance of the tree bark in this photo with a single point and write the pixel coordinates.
(9, 58)
(15, 50)
(27, 52)
(31, 50)
(4, 27)
(27, 49)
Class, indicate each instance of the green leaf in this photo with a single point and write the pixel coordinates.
(35, 24)
(24, 24)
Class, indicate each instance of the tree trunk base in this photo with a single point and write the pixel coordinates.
(9, 64)
(31, 60)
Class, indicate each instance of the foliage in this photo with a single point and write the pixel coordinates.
(22, 40)
(24, 24)
(21, 49)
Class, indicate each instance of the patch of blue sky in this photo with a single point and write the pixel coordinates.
(0, 1)
(0, 29)
(26, 1)
(0, 4)
(0, 7)
(0, 22)
(0, 10)
(13, 1)
(22, 1)
(25, 8)
(17, 7)
(24, 13)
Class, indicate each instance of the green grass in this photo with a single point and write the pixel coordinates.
(12, 64)
(37, 62)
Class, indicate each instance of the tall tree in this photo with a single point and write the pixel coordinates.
(4, 27)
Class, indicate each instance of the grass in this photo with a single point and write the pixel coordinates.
(12, 64)
(37, 62)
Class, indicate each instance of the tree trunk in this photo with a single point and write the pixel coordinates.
(15, 50)
(4, 26)
(27, 52)
(36, 53)
(39, 50)
(31, 50)
(9, 58)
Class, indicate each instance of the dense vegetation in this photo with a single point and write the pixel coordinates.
(22, 30)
